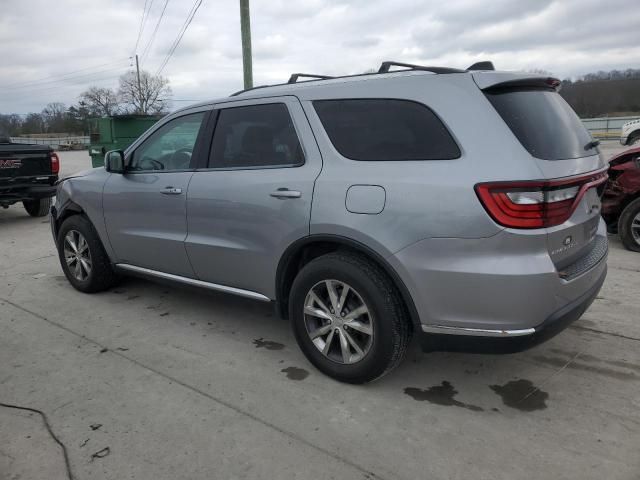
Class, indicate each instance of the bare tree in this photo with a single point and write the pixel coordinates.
(151, 96)
(54, 116)
(100, 101)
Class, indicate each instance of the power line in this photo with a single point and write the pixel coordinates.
(44, 89)
(155, 30)
(47, 79)
(176, 42)
(52, 83)
(143, 21)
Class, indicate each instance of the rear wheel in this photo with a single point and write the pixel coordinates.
(629, 226)
(348, 318)
(37, 208)
(82, 256)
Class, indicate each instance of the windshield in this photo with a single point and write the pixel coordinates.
(543, 122)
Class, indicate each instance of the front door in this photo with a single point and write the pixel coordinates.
(254, 198)
(145, 208)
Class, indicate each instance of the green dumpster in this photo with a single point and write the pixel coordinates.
(116, 133)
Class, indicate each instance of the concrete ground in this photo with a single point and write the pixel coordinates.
(151, 381)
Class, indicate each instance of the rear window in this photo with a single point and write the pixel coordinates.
(385, 129)
(543, 122)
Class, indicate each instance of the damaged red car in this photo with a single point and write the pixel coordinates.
(621, 200)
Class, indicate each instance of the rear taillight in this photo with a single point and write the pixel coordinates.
(55, 162)
(536, 204)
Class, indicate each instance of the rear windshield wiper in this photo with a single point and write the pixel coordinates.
(592, 144)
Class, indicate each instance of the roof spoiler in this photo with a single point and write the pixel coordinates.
(527, 82)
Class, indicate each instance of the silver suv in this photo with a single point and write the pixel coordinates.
(460, 205)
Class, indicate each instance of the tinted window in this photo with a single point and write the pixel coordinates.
(255, 136)
(170, 147)
(379, 129)
(543, 122)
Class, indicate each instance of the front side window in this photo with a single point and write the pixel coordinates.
(385, 129)
(255, 136)
(170, 147)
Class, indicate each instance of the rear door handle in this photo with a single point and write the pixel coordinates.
(171, 191)
(286, 193)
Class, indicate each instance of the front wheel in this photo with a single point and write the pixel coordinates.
(37, 208)
(348, 317)
(82, 256)
(629, 226)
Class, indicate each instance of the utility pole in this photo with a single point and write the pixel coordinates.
(245, 29)
(139, 88)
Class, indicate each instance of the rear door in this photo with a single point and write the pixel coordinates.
(562, 148)
(253, 197)
(145, 209)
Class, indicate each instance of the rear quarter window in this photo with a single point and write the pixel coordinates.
(385, 130)
(543, 122)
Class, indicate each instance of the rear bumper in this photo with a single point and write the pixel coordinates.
(32, 192)
(511, 341)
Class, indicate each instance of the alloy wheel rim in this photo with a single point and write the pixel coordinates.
(635, 228)
(338, 321)
(77, 255)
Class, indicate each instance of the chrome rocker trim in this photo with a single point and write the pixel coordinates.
(476, 332)
(192, 281)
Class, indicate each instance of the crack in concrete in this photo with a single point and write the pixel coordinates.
(602, 332)
(224, 403)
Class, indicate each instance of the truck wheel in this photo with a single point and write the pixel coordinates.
(634, 139)
(348, 318)
(629, 226)
(37, 208)
(82, 256)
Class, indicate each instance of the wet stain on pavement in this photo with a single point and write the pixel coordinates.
(442, 394)
(295, 373)
(268, 344)
(521, 395)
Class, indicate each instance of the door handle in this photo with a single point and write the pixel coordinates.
(171, 191)
(284, 193)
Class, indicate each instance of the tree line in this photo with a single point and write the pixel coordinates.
(152, 95)
(614, 93)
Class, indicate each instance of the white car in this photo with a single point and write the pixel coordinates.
(630, 134)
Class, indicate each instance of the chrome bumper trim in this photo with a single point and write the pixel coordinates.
(476, 332)
(192, 281)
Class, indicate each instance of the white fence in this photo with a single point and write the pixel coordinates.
(55, 142)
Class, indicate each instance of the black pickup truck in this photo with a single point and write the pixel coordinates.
(28, 174)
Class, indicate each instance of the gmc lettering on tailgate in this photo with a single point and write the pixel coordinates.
(6, 163)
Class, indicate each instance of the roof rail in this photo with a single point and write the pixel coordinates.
(384, 68)
(482, 66)
(295, 76)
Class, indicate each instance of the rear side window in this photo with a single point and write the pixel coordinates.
(385, 129)
(543, 122)
(255, 136)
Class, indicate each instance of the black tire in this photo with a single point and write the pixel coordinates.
(624, 225)
(634, 138)
(37, 208)
(391, 325)
(102, 275)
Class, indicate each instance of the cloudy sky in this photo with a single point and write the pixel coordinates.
(52, 50)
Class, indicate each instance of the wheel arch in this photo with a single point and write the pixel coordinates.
(67, 210)
(306, 249)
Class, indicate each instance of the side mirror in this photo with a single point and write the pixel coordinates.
(114, 161)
